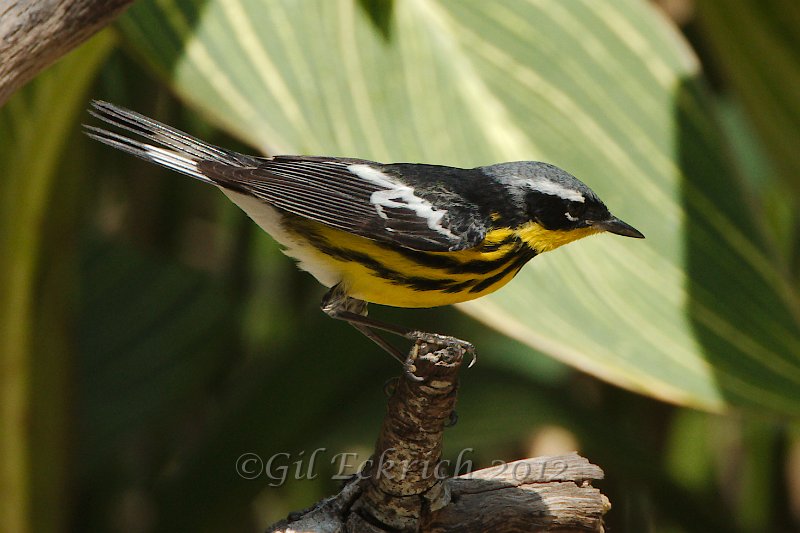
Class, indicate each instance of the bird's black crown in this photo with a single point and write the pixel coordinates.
(548, 195)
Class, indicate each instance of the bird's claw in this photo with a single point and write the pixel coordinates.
(446, 341)
(409, 368)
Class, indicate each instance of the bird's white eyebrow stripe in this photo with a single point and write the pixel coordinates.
(556, 189)
(399, 195)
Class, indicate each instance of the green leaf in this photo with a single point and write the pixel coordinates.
(701, 313)
(35, 125)
(152, 338)
(756, 47)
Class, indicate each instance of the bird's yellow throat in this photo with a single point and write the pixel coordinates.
(539, 238)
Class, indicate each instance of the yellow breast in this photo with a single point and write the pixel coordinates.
(390, 275)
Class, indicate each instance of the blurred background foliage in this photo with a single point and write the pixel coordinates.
(152, 335)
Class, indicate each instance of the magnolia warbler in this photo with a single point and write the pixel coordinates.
(401, 234)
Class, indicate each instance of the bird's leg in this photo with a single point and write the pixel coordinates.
(357, 320)
(407, 361)
(337, 304)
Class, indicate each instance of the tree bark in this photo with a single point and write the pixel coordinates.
(405, 488)
(34, 34)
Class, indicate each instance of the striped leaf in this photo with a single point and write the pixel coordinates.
(35, 355)
(756, 46)
(701, 313)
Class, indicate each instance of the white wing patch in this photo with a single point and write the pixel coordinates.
(400, 196)
(556, 189)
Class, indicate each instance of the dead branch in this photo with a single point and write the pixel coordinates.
(404, 487)
(34, 34)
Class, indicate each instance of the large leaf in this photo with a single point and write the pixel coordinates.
(150, 339)
(700, 313)
(756, 47)
(35, 125)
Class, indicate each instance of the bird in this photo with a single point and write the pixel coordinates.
(397, 234)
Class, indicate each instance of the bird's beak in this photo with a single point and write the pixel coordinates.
(615, 225)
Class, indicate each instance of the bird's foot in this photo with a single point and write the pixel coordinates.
(445, 341)
(409, 368)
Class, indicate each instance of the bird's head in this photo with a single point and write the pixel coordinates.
(559, 208)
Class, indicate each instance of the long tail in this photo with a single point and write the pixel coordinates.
(170, 147)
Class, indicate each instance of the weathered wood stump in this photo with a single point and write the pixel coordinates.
(404, 486)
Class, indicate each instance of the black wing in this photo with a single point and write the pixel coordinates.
(353, 195)
(360, 197)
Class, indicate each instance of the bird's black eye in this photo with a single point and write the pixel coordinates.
(575, 211)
